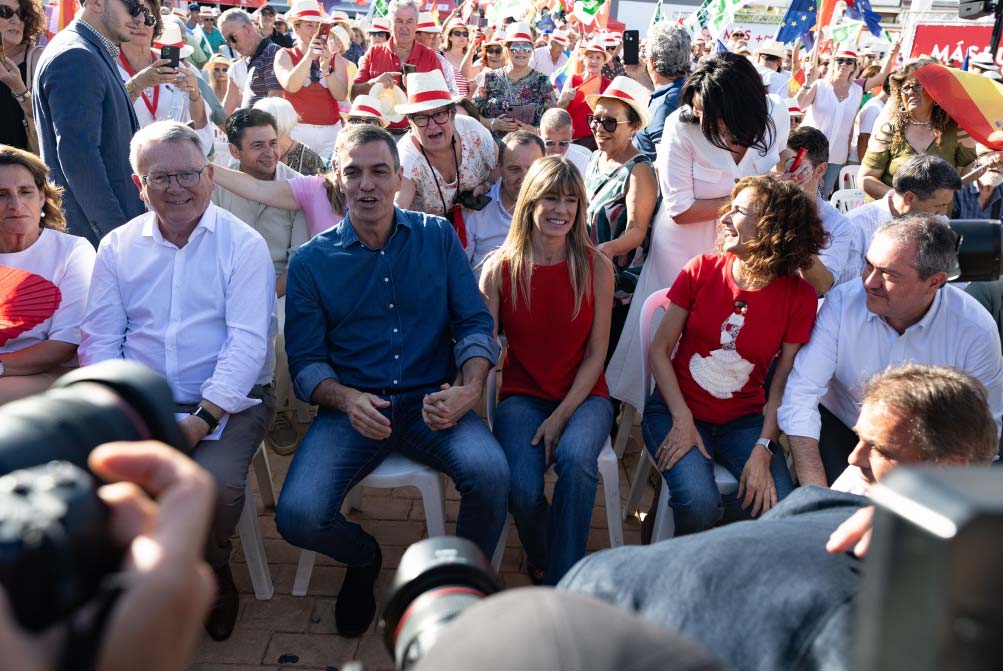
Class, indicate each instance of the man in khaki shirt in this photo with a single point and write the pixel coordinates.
(254, 146)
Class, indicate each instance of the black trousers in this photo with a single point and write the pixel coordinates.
(835, 443)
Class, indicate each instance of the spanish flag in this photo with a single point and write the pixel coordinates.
(974, 101)
(795, 83)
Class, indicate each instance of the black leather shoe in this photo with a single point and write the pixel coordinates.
(223, 615)
(356, 605)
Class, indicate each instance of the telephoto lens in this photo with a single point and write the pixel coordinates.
(438, 578)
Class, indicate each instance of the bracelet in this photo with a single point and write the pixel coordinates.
(130, 88)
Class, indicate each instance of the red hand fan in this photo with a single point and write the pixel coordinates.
(26, 300)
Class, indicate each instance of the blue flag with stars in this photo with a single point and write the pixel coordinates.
(799, 19)
(860, 10)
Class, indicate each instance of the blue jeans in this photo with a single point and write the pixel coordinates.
(694, 498)
(554, 537)
(333, 457)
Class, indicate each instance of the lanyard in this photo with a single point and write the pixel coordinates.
(156, 89)
(456, 216)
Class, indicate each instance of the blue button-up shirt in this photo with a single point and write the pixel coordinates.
(966, 203)
(399, 318)
(664, 101)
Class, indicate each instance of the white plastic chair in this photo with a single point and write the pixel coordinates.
(664, 526)
(845, 200)
(249, 531)
(609, 471)
(395, 471)
(848, 177)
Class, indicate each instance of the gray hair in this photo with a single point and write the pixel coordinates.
(924, 175)
(669, 50)
(555, 118)
(161, 131)
(397, 5)
(235, 14)
(282, 111)
(355, 135)
(936, 244)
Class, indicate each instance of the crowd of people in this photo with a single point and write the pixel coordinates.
(303, 210)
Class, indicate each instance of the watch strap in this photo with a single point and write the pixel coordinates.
(206, 417)
(770, 445)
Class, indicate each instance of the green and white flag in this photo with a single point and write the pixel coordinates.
(657, 16)
(846, 32)
(497, 12)
(714, 15)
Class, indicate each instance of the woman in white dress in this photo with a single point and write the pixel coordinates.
(726, 128)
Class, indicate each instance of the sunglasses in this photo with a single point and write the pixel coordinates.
(360, 120)
(611, 49)
(381, 33)
(231, 38)
(608, 124)
(440, 117)
(135, 9)
(521, 48)
(266, 12)
(460, 33)
(768, 57)
(9, 12)
(845, 61)
(563, 144)
(493, 51)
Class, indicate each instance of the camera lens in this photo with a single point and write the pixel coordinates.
(438, 578)
(980, 250)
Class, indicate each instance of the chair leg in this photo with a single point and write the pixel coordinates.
(609, 469)
(637, 484)
(254, 548)
(263, 473)
(433, 499)
(665, 522)
(304, 568)
(623, 432)
(496, 560)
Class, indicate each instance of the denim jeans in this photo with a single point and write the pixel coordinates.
(555, 537)
(694, 498)
(333, 457)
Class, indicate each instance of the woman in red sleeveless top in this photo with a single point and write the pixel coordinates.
(313, 79)
(551, 293)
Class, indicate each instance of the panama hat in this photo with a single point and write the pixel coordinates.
(559, 36)
(846, 52)
(629, 92)
(425, 91)
(389, 99)
(983, 61)
(369, 107)
(341, 18)
(342, 35)
(172, 37)
(217, 59)
(598, 47)
(427, 24)
(306, 10)
(770, 48)
(207, 12)
(380, 25)
(518, 32)
(794, 108)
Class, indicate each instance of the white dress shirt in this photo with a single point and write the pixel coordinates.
(543, 62)
(833, 255)
(203, 316)
(849, 344)
(863, 220)
(486, 229)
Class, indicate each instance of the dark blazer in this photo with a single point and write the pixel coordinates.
(85, 121)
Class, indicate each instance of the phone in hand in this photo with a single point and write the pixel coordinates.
(324, 31)
(631, 47)
(410, 69)
(796, 163)
(172, 54)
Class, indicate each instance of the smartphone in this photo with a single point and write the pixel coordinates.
(324, 31)
(631, 47)
(796, 163)
(410, 69)
(173, 54)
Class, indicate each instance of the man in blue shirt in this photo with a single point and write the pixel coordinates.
(983, 198)
(668, 64)
(387, 332)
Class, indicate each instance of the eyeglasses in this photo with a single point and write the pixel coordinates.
(186, 179)
(609, 124)
(440, 117)
(9, 12)
(846, 61)
(232, 38)
(368, 120)
(381, 33)
(521, 48)
(135, 9)
(493, 51)
(460, 33)
(563, 144)
(912, 86)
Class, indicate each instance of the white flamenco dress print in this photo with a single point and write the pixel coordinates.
(723, 371)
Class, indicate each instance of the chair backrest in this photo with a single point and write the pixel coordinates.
(848, 177)
(655, 302)
(845, 200)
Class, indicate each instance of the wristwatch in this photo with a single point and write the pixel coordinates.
(206, 417)
(2, 369)
(770, 445)
(24, 96)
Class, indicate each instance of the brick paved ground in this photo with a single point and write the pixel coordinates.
(290, 632)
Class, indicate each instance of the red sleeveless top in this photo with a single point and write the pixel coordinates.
(545, 345)
(313, 102)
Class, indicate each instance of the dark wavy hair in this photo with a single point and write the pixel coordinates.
(52, 209)
(733, 96)
(788, 233)
(34, 20)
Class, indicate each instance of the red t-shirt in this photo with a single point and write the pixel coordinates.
(313, 102)
(732, 335)
(383, 58)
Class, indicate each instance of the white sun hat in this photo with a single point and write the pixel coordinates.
(306, 10)
(172, 37)
(425, 91)
(629, 92)
(369, 107)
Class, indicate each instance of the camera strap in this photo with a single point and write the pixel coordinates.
(454, 215)
(85, 632)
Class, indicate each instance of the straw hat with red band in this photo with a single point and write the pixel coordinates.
(425, 91)
(427, 24)
(368, 107)
(794, 108)
(341, 18)
(559, 36)
(518, 32)
(455, 24)
(598, 47)
(845, 52)
(306, 10)
(172, 37)
(380, 25)
(629, 92)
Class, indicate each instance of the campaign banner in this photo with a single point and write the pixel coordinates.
(949, 42)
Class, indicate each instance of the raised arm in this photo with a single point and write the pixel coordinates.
(276, 193)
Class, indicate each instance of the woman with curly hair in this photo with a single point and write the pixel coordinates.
(731, 314)
(915, 125)
(22, 22)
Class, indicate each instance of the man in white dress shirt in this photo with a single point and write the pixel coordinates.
(556, 131)
(550, 58)
(828, 263)
(902, 312)
(925, 184)
(488, 228)
(188, 290)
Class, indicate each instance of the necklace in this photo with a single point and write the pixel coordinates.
(913, 122)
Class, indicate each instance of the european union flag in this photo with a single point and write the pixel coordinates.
(799, 19)
(860, 10)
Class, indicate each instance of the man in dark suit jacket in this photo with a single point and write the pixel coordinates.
(85, 118)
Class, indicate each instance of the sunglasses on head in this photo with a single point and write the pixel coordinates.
(9, 12)
(608, 124)
(493, 51)
(135, 9)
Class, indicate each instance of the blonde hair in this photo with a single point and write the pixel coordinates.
(548, 175)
